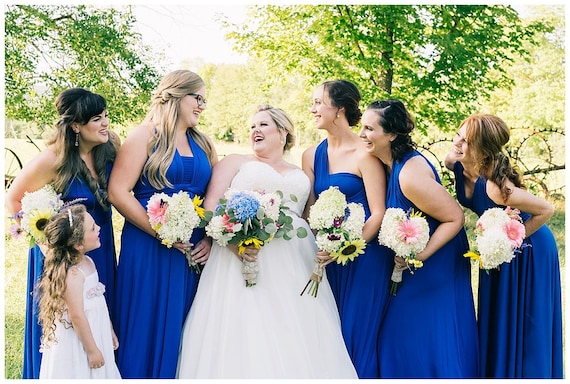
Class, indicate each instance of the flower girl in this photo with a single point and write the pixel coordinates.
(78, 340)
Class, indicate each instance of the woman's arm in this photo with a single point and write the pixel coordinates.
(374, 178)
(419, 185)
(35, 174)
(126, 171)
(222, 175)
(524, 201)
(74, 300)
(307, 162)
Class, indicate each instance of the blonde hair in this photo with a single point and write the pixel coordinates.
(164, 115)
(283, 122)
(63, 231)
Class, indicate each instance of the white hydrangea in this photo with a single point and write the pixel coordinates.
(495, 249)
(180, 219)
(355, 221)
(330, 204)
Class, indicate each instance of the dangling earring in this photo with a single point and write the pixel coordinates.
(77, 139)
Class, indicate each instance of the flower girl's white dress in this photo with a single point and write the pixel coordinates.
(67, 358)
(269, 330)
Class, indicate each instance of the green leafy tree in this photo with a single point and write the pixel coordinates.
(49, 48)
(436, 58)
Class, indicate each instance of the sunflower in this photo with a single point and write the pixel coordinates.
(37, 222)
(252, 241)
(475, 256)
(349, 250)
(198, 206)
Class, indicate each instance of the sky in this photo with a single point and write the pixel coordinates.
(189, 31)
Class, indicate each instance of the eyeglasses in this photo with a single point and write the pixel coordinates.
(200, 99)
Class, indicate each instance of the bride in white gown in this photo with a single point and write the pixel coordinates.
(269, 330)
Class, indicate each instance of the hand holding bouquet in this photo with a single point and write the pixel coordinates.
(251, 218)
(175, 217)
(499, 233)
(37, 208)
(407, 234)
(339, 231)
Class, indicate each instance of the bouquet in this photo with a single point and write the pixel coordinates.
(339, 231)
(251, 218)
(499, 235)
(175, 217)
(406, 233)
(37, 208)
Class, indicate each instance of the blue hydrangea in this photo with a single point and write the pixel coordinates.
(244, 206)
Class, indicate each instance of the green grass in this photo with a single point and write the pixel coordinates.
(15, 272)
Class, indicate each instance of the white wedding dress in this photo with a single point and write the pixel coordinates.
(268, 331)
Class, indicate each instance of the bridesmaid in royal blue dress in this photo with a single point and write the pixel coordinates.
(361, 286)
(519, 304)
(155, 285)
(429, 330)
(77, 161)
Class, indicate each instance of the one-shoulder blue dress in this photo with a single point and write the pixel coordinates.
(519, 304)
(155, 285)
(430, 330)
(361, 286)
(104, 258)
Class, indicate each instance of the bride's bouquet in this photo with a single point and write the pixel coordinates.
(251, 218)
(407, 234)
(499, 235)
(339, 231)
(175, 217)
(37, 208)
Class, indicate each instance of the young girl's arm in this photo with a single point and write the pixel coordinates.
(74, 301)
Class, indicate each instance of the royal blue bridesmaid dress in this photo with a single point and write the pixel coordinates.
(519, 304)
(104, 258)
(155, 285)
(361, 286)
(430, 329)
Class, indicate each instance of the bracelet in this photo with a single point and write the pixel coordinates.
(156, 236)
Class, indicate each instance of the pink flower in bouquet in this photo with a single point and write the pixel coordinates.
(16, 231)
(515, 231)
(228, 225)
(409, 231)
(156, 210)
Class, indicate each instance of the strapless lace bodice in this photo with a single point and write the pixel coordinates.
(256, 175)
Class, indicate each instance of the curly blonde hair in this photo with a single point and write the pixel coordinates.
(62, 233)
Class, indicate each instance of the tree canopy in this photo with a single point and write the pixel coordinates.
(436, 58)
(50, 48)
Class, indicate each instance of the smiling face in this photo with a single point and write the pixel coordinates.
(190, 109)
(460, 146)
(376, 141)
(95, 131)
(322, 109)
(265, 135)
